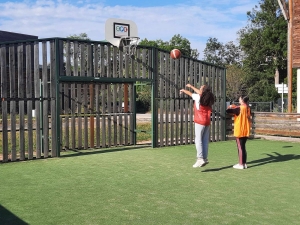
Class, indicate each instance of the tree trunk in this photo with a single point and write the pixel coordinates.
(276, 77)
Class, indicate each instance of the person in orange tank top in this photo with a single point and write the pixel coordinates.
(241, 130)
(203, 101)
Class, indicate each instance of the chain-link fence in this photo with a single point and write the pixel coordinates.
(259, 106)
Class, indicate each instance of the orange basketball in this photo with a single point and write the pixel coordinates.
(175, 54)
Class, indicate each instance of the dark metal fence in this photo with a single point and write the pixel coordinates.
(259, 106)
(60, 94)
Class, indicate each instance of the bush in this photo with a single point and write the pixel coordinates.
(143, 103)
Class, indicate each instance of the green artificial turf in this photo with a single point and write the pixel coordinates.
(141, 185)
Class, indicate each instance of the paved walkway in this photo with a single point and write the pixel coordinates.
(278, 138)
(143, 117)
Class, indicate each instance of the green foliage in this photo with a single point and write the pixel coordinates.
(262, 51)
(227, 55)
(264, 42)
(177, 41)
(213, 51)
(221, 54)
(264, 39)
(144, 99)
(143, 136)
(235, 79)
(81, 36)
(262, 91)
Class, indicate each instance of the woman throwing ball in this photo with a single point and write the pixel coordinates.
(203, 101)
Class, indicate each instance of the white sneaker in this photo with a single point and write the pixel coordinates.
(205, 162)
(199, 163)
(245, 166)
(239, 166)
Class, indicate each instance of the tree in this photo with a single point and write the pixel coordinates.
(262, 51)
(213, 52)
(264, 43)
(229, 56)
(232, 54)
(81, 36)
(265, 37)
(221, 54)
(177, 41)
(184, 45)
(234, 82)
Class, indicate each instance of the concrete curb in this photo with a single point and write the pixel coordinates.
(278, 138)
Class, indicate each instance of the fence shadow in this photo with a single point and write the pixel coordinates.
(75, 153)
(8, 218)
(275, 157)
(81, 152)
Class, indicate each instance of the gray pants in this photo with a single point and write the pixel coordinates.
(201, 140)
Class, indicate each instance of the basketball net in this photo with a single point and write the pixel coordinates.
(128, 44)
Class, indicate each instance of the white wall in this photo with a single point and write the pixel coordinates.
(298, 90)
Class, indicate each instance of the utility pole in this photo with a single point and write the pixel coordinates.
(290, 54)
(288, 16)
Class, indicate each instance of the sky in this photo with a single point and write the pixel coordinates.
(195, 20)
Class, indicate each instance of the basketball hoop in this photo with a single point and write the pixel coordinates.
(128, 44)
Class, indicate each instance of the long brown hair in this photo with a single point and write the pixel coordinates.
(207, 97)
(245, 99)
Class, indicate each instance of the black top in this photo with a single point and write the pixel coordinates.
(10, 36)
(235, 111)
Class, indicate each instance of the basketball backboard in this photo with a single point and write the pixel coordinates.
(115, 29)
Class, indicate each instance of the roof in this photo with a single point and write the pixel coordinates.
(10, 36)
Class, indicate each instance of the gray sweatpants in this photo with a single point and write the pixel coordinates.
(201, 140)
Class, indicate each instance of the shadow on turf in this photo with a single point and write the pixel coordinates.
(259, 162)
(7, 217)
(74, 153)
